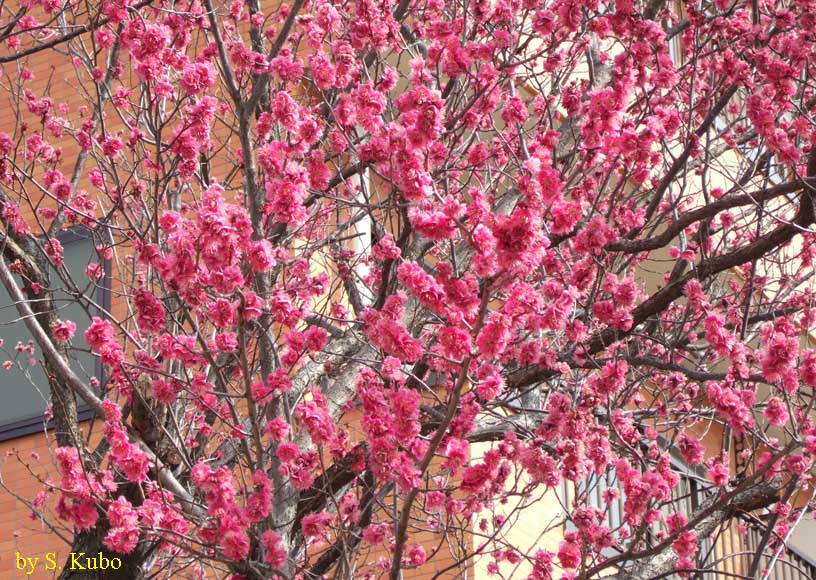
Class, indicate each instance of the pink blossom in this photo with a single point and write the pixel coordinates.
(197, 77)
(457, 453)
(685, 545)
(261, 256)
(316, 525)
(611, 380)
(124, 533)
(277, 429)
(385, 330)
(315, 418)
(275, 552)
(422, 285)
(776, 412)
(494, 337)
(569, 552)
(100, 336)
(64, 329)
(734, 405)
(82, 513)
(691, 449)
(718, 471)
(126, 455)
(778, 356)
(375, 533)
(234, 540)
(416, 555)
(287, 452)
(518, 238)
(807, 367)
(149, 310)
(226, 341)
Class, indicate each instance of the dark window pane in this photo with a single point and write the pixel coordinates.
(24, 390)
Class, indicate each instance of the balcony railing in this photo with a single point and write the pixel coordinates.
(734, 550)
(728, 555)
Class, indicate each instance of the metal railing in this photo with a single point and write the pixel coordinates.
(731, 554)
(728, 555)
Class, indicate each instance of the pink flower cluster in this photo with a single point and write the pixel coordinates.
(385, 330)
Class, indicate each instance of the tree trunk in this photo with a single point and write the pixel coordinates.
(84, 562)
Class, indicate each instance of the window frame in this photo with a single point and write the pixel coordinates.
(36, 422)
(694, 476)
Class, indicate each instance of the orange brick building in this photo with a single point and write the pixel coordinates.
(25, 445)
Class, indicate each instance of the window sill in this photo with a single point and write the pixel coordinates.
(36, 424)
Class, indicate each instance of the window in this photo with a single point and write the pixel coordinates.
(687, 496)
(24, 389)
(361, 243)
(594, 486)
(674, 30)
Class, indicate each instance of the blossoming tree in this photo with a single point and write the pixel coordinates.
(379, 268)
